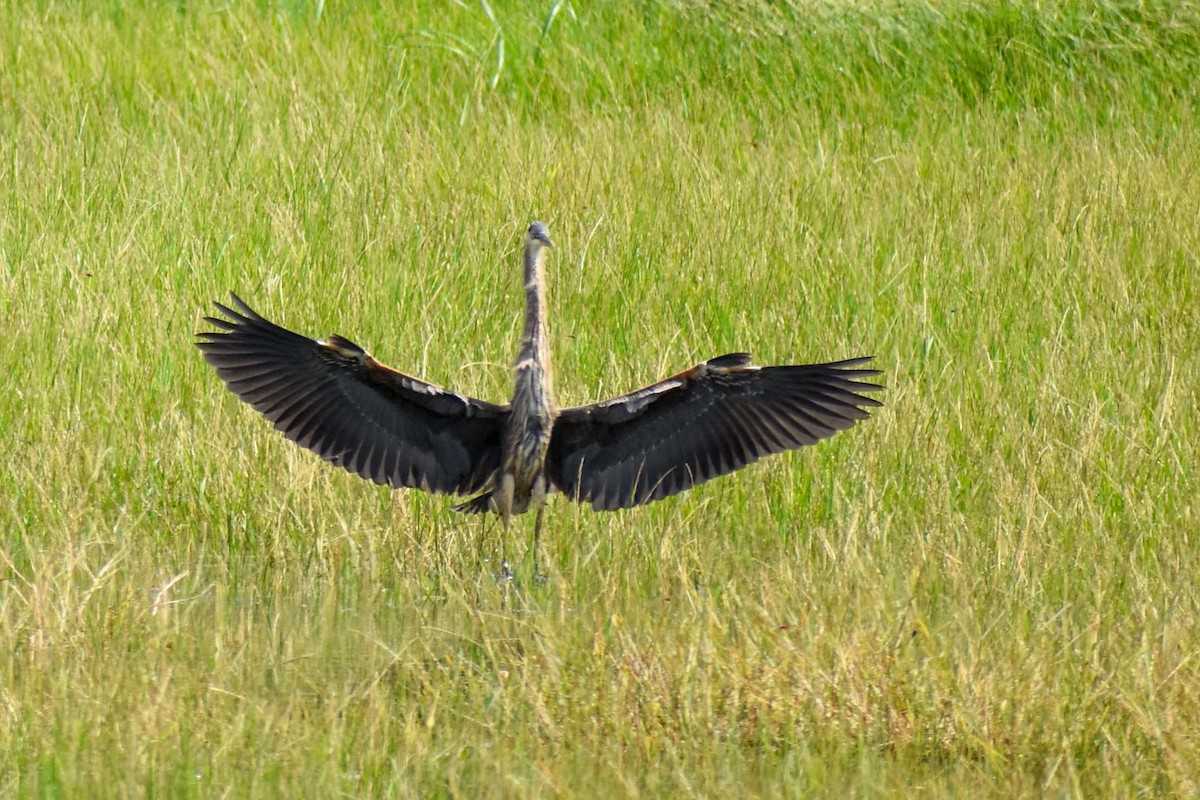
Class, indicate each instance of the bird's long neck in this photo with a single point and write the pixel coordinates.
(527, 433)
(533, 363)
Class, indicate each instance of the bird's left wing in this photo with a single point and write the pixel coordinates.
(334, 399)
(710, 420)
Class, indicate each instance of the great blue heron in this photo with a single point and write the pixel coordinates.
(335, 399)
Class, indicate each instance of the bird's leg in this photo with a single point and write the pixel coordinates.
(440, 559)
(538, 577)
(506, 574)
(481, 544)
(502, 501)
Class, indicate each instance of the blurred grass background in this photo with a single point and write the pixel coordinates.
(989, 588)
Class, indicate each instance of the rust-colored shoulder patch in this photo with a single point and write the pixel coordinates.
(408, 381)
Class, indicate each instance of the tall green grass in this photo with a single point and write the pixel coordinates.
(989, 588)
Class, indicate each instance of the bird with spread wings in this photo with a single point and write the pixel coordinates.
(333, 398)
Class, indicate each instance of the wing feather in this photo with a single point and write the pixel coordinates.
(334, 399)
(707, 421)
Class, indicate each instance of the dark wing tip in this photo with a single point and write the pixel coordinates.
(232, 321)
(246, 310)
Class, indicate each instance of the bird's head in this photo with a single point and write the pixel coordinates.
(538, 234)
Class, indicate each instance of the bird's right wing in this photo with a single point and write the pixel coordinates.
(707, 421)
(336, 400)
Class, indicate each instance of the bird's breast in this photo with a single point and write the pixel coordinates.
(527, 433)
(525, 448)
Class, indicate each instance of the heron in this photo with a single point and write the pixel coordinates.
(334, 398)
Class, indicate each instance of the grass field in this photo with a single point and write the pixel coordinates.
(988, 589)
